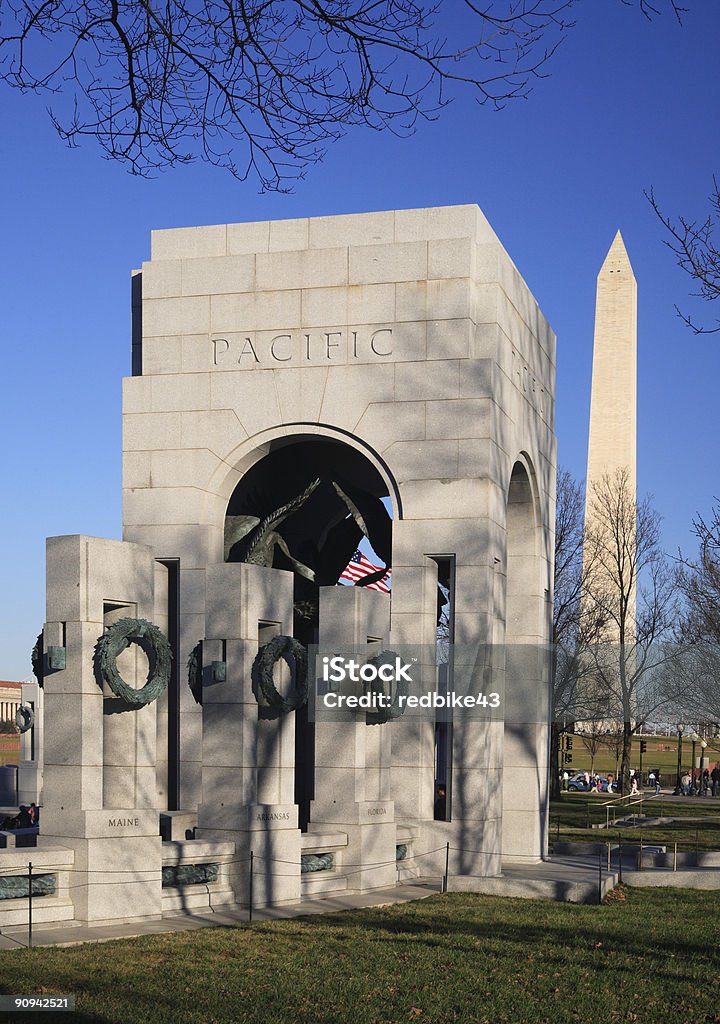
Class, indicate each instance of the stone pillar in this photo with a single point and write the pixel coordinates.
(527, 685)
(475, 779)
(353, 760)
(99, 755)
(249, 750)
(30, 769)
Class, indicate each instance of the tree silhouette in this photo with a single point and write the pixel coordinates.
(261, 87)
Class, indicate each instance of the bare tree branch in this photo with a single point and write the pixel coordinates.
(693, 244)
(262, 87)
(631, 596)
(571, 634)
(699, 580)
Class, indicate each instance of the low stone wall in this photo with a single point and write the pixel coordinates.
(566, 891)
(192, 895)
(582, 849)
(333, 879)
(56, 861)
(685, 859)
(693, 878)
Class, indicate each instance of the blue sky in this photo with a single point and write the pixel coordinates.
(628, 105)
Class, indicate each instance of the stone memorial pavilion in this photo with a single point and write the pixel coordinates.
(301, 389)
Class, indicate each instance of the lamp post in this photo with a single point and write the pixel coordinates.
(703, 745)
(678, 785)
(695, 738)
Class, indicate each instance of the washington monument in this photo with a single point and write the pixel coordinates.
(611, 468)
(613, 400)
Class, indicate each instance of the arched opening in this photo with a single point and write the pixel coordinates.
(306, 506)
(522, 612)
(318, 508)
(525, 733)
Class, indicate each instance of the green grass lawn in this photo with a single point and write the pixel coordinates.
(651, 956)
(572, 815)
(9, 748)
(662, 753)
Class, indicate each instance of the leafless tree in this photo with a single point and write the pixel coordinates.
(632, 598)
(694, 244)
(566, 609)
(569, 511)
(593, 740)
(698, 628)
(572, 633)
(261, 87)
(700, 581)
(613, 738)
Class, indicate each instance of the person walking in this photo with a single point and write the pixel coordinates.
(715, 779)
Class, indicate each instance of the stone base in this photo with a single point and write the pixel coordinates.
(276, 857)
(30, 783)
(368, 859)
(116, 874)
(46, 859)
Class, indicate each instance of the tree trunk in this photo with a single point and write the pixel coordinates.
(556, 768)
(626, 750)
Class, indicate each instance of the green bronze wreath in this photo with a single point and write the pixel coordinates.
(118, 637)
(396, 710)
(295, 656)
(24, 718)
(37, 658)
(194, 667)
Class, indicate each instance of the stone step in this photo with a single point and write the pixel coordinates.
(317, 882)
(45, 911)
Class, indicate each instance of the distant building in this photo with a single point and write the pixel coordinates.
(10, 700)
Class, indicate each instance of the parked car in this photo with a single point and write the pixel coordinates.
(577, 784)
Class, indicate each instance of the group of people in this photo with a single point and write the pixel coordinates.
(706, 784)
(593, 783)
(27, 817)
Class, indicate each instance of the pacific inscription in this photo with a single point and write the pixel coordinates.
(297, 348)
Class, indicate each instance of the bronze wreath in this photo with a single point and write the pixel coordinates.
(194, 667)
(295, 656)
(37, 659)
(118, 637)
(24, 718)
(380, 715)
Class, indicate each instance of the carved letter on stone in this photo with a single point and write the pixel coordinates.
(373, 346)
(332, 344)
(248, 349)
(216, 352)
(273, 353)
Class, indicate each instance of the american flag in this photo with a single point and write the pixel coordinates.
(359, 566)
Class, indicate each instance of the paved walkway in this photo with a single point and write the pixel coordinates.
(562, 878)
(72, 934)
(568, 878)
